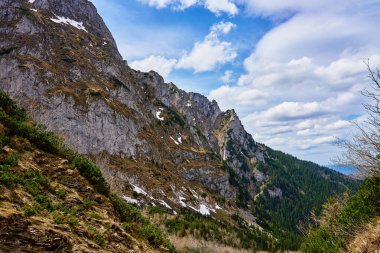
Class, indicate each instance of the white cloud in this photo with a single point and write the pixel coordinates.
(208, 54)
(280, 7)
(227, 77)
(307, 74)
(159, 64)
(216, 6)
(220, 6)
(159, 3)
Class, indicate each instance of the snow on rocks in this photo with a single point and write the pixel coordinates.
(217, 207)
(175, 142)
(131, 200)
(203, 209)
(181, 201)
(138, 190)
(67, 21)
(178, 141)
(165, 204)
(158, 114)
(31, 1)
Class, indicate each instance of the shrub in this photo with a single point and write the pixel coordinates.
(153, 235)
(61, 218)
(33, 180)
(10, 107)
(61, 193)
(337, 229)
(92, 173)
(96, 236)
(127, 212)
(156, 209)
(88, 203)
(45, 202)
(11, 160)
(58, 217)
(7, 177)
(31, 210)
(4, 140)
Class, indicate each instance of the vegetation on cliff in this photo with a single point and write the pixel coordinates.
(57, 200)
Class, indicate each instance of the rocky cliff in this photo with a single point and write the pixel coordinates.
(61, 63)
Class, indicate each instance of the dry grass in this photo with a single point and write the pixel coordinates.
(184, 244)
(367, 240)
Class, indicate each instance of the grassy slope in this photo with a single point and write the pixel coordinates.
(53, 199)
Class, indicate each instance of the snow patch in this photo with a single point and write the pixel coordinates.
(158, 114)
(188, 105)
(35, 10)
(180, 139)
(131, 200)
(217, 207)
(165, 204)
(176, 142)
(181, 201)
(67, 21)
(31, 1)
(139, 190)
(203, 209)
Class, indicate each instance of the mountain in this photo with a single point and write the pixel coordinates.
(53, 200)
(174, 154)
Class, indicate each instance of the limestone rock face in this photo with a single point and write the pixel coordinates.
(59, 61)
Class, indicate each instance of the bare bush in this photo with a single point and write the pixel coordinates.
(363, 150)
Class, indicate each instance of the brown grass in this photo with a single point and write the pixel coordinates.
(367, 240)
(183, 244)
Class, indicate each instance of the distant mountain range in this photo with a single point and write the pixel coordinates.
(346, 170)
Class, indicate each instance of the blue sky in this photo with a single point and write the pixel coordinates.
(293, 70)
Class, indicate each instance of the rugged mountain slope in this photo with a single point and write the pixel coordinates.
(52, 200)
(155, 144)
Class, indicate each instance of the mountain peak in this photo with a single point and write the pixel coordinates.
(80, 11)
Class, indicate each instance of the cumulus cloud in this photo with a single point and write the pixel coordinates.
(227, 77)
(216, 6)
(205, 55)
(305, 75)
(220, 6)
(160, 64)
(212, 51)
